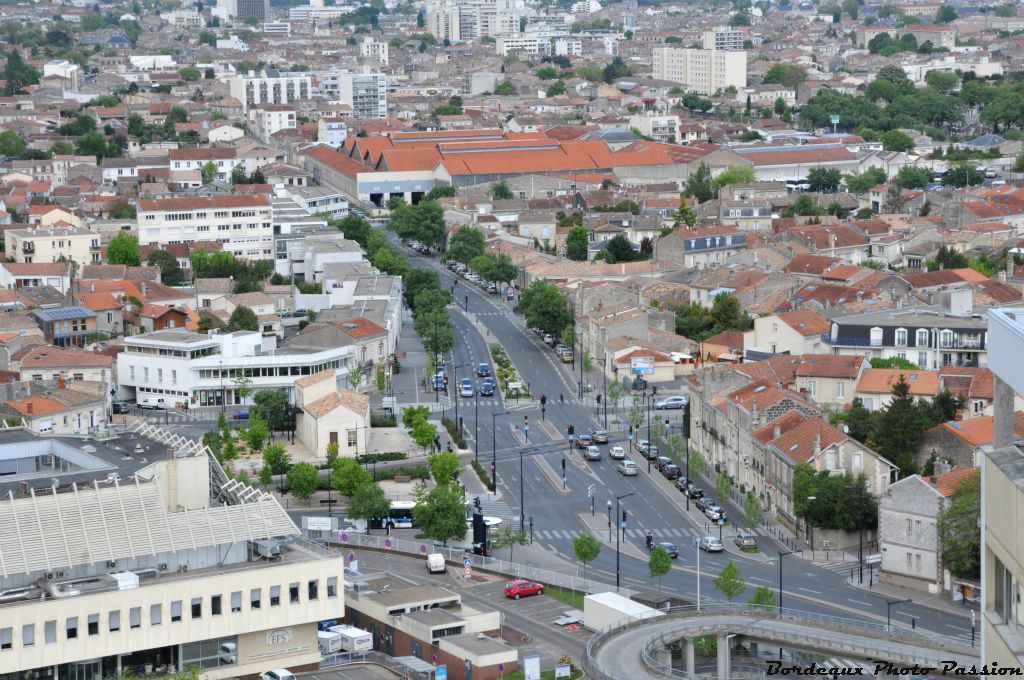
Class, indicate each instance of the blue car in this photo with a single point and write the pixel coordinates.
(241, 415)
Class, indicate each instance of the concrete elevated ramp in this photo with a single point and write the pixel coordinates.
(635, 649)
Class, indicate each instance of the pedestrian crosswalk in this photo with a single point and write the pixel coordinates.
(665, 534)
(838, 566)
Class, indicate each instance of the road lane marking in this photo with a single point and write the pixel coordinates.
(808, 590)
(864, 604)
(762, 580)
(962, 630)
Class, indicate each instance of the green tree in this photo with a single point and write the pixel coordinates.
(441, 512)
(170, 271)
(764, 597)
(684, 216)
(959, 531)
(962, 175)
(950, 258)
(544, 307)
(723, 487)
(500, 191)
(353, 228)
(424, 433)
(123, 249)
(577, 243)
(615, 70)
(189, 74)
(208, 172)
(277, 460)
(943, 81)
(619, 249)
(913, 177)
(546, 73)
(556, 89)
(356, 373)
(735, 174)
(615, 392)
(505, 88)
(272, 407)
(18, 74)
(11, 144)
(586, 548)
(824, 179)
(465, 244)
(730, 581)
(256, 433)
(243, 319)
(1005, 11)
(896, 140)
(785, 74)
(659, 563)
(302, 480)
(752, 509)
(368, 502)
(348, 475)
(507, 537)
(637, 412)
(699, 184)
(444, 467)
(861, 183)
(413, 414)
(238, 175)
(900, 428)
(852, 8)
(945, 15)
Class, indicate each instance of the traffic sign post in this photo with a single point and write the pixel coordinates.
(467, 567)
(721, 523)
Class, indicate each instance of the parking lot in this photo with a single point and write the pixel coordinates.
(539, 610)
(366, 672)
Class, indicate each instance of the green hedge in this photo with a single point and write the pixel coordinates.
(381, 457)
(482, 474)
(383, 421)
(415, 471)
(453, 432)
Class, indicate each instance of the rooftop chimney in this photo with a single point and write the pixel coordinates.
(817, 442)
(776, 432)
(28, 407)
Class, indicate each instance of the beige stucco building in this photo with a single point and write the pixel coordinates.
(53, 244)
(703, 71)
(331, 414)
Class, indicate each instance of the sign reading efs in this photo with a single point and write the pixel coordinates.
(279, 636)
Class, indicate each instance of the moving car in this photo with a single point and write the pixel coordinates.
(600, 437)
(466, 388)
(152, 403)
(522, 588)
(583, 441)
(484, 370)
(487, 388)
(626, 467)
(241, 415)
(617, 452)
(436, 564)
(715, 513)
(670, 548)
(565, 355)
(711, 544)
(592, 453)
(676, 402)
(121, 407)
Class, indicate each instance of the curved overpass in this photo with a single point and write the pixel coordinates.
(638, 649)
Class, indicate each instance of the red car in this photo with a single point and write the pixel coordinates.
(521, 588)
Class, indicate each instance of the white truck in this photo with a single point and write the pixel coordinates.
(152, 403)
(353, 639)
(328, 641)
(435, 564)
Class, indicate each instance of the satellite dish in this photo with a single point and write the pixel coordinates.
(846, 429)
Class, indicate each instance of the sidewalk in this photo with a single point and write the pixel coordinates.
(940, 601)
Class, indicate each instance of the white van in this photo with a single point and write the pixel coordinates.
(152, 403)
(435, 564)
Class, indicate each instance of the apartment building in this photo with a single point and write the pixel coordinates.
(523, 44)
(366, 93)
(269, 87)
(268, 120)
(242, 223)
(1002, 493)
(470, 20)
(38, 244)
(161, 565)
(659, 128)
(332, 131)
(374, 49)
(224, 158)
(725, 38)
(703, 71)
(202, 369)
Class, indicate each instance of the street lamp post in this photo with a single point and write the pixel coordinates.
(809, 499)
(860, 531)
(617, 499)
(494, 450)
(604, 378)
(609, 520)
(455, 377)
(476, 426)
(223, 399)
(781, 555)
(437, 397)
(522, 495)
(888, 611)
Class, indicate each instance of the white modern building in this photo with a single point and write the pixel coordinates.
(204, 369)
(242, 222)
(374, 49)
(725, 38)
(701, 71)
(138, 553)
(332, 131)
(366, 93)
(268, 120)
(269, 87)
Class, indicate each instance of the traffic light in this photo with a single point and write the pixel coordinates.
(599, 400)
(572, 430)
(476, 502)
(563, 466)
(625, 516)
(543, 400)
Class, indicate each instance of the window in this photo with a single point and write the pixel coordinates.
(28, 635)
(901, 337)
(71, 627)
(275, 595)
(6, 638)
(159, 375)
(922, 359)
(114, 621)
(910, 561)
(1003, 600)
(254, 598)
(236, 601)
(135, 617)
(145, 373)
(812, 387)
(840, 389)
(922, 337)
(131, 372)
(332, 586)
(176, 611)
(351, 437)
(215, 605)
(313, 590)
(93, 624)
(293, 593)
(155, 615)
(917, 562)
(197, 607)
(50, 632)
(910, 526)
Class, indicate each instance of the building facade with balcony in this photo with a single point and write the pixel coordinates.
(952, 333)
(243, 224)
(53, 244)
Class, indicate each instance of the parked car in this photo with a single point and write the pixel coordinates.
(694, 491)
(548, 338)
(583, 441)
(600, 437)
(592, 453)
(487, 388)
(566, 355)
(121, 407)
(278, 674)
(745, 538)
(711, 544)
(676, 402)
(466, 388)
(484, 370)
(241, 415)
(626, 467)
(705, 503)
(617, 452)
(492, 289)
(715, 513)
(647, 449)
(522, 588)
(661, 461)
(670, 548)
(671, 471)
(681, 484)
